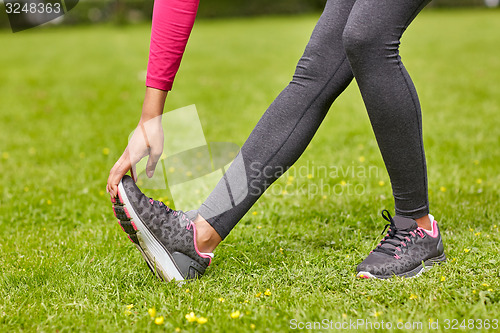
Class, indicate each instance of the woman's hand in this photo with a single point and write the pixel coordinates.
(147, 139)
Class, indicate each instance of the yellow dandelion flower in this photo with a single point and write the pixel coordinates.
(324, 197)
(413, 296)
(485, 284)
(189, 174)
(479, 181)
(377, 313)
(344, 315)
(343, 183)
(361, 159)
(258, 294)
(5, 155)
(127, 312)
(159, 320)
(202, 320)
(191, 317)
(245, 301)
(267, 292)
(187, 290)
(49, 202)
(177, 329)
(254, 213)
(489, 289)
(477, 233)
(453, 259)
(466, 250)
(291, 178)
(130, 306)
(309, 176)
(252, 326)
(152, 312)
(105, 151)
(442, 189)
(474, 291)
(221, 299)
(259, 227)
(284, 192)
(281, 250)
(381, 183)
(443, 278)
(235, 314)
(471, 229)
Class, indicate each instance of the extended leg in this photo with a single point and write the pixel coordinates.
(288, 125)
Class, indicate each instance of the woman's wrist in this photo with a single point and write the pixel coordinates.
(154, 102)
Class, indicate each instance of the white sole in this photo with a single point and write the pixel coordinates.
(368, 275)
(153, 252)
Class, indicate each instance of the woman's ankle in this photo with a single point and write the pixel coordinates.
(207, 238)
(424, 222)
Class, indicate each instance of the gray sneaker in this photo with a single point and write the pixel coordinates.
(164, 237)
(406, 250)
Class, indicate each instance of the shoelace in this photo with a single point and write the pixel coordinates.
(395, 238)
(170, 210)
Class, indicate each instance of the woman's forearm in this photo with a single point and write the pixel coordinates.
(154, 101)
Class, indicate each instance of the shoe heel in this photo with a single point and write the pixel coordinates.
(436, 260)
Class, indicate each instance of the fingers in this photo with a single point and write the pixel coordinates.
(117, 172)
(151, 165)
(154, 156)
(133, 172)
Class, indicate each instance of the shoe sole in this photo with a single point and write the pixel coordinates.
(428, 264)
(156, 256)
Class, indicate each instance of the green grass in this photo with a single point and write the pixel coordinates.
(68, 93)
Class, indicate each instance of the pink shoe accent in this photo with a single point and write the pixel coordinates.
(133, 225)
(192, 225)
(126, 212)
(114, 212)
(130, 239)
(121, 225)
(120, 196)
(434, 232)
(113, 200)
(397, 257)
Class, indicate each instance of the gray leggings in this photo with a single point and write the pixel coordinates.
(353, 38)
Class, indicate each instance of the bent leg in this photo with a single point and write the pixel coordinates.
(288, 125)
(371, 39)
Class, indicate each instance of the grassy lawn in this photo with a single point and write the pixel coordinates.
(69, 98)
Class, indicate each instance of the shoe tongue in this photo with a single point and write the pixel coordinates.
(401, 223)
(404, 223)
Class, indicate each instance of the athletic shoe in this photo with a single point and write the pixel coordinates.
(165, 237)
(406, 250)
